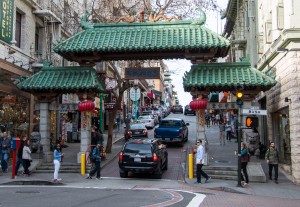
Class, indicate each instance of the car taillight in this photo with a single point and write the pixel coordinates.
(155, 158)
(180, 131)
(129, 132)
(121, 156)
(154, 132)
(145, 131)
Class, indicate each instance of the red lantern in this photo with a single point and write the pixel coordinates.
(198, 104)
(86, 106)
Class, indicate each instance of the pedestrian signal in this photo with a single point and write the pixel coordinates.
(251, 121)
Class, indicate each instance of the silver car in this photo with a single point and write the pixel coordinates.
(147, 120)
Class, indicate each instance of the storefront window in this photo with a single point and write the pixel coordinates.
(282, 136)
(14, 115)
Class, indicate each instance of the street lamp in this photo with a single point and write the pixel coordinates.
(239, 102)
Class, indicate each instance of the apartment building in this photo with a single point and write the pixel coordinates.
(268, 33)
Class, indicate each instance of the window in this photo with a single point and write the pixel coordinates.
(18, 28)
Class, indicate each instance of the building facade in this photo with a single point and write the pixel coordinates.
(271, 40)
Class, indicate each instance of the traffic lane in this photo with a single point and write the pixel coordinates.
(174, 172)
(69, 196)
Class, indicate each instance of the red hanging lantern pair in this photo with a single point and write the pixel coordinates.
(86, 106)
(198, 104)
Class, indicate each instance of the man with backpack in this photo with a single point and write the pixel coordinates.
(272, 160)
(96, 167)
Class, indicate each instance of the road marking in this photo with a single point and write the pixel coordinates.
(197, 200)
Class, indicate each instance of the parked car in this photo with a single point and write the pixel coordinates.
(188, 110)
(152, 114)
(147, 120)
(143, 155)
(177, 108)
(136, 131)
(172, 130)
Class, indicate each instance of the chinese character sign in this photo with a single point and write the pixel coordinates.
(6, 18)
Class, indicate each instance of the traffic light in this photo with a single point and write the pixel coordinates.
(251, 121)
(239, 96)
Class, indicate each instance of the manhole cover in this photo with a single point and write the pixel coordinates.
(221, 161)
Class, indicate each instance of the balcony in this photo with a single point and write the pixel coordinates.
(49, 9)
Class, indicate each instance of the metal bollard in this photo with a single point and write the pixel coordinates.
(82, 164)
(191, 166)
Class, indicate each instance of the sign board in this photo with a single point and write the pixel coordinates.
(231, 105)
(142, 73)
(251, 121)
(135, 94)
(254, 112)
(6, 20)
(109, 105)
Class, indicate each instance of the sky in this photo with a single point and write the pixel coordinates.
(179, 67)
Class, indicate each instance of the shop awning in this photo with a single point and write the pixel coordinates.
(63, 79)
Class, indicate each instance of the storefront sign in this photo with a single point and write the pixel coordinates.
(109, 105)
(142, 73)
(6, 19)
(8, 99)
(222, 106)
(61, 107)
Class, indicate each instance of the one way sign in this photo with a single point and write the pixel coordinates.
(254, 112)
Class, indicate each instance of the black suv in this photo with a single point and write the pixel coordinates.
(188, 110)
(177, 108)
(143, 155)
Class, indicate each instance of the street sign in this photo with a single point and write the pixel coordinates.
(135, 94)
(251, 121)
(254, 112)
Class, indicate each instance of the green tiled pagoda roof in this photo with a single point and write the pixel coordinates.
(67, 79)
(142, 37)
(226, 76)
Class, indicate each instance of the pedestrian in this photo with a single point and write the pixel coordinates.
(20, 154)
(118, 120)
(96, 166)
(272, 160)
(207, 120)
(58, 155)
(228, 130)
(26, 158)
(200, 161)
(218, 119)
(245, 158)
(5, 146)
(222, 131)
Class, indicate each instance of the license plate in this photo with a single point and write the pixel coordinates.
(137, 132)
(137, 159)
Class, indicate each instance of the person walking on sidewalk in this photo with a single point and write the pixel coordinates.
(272, 160)
(20, 155)
(58, 155)
(245, 158)
(200, 161)
(26, 158)
(5, 146)
(96, 168)
(222, 132)
(228, 130)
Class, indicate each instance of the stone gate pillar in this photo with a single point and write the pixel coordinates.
(45, 131)
(85, 133)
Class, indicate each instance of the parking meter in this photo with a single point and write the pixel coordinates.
(14, 145)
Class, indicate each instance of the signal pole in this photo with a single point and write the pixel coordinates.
(239, 102)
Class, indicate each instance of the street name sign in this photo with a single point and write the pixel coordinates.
(254, 112)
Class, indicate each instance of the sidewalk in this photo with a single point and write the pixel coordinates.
(70, 157)
(224, 156)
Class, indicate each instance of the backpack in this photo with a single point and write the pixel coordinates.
(91, 157)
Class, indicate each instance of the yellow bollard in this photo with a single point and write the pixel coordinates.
(82, 164)
(191, 166)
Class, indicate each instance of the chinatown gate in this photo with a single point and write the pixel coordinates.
(145, 39)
